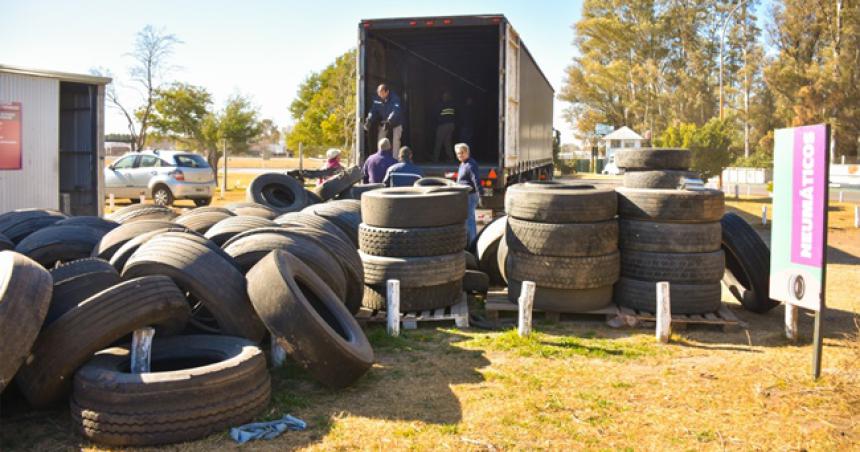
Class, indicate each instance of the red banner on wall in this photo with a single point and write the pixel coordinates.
(10, 136)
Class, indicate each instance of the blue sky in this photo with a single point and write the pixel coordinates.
(259, 48)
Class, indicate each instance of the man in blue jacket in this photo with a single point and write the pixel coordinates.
(375, 167)
(385, 116)
(467, 175)
(403, 174)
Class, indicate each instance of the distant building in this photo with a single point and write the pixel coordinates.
(116, 148)
(621, 138)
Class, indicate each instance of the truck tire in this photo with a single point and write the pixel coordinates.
(414, 299)
(471, 262)
(684, 268)
(686, 298)
(253, 209)
(113, 407)
(502, 262)
(204, 209)
(157, 213)
(411, 242)
(357, 190)
(674, 206)
(487, 248)
(278, 191)
(434, 182)
(93, 222)
(25, 294)
(564, 272)
(344, 213)
(413, 207)
(312, 197)
(339, 183)
(570, 301)
(5, 243)
(113, 216)
(113, 240)
(560, 203)
(669, 237)
(200, 222)
(414, 271)
(668, 179)
(309, 220)
(747, 264)
(562, 239)
(307, 319)
(54, 244)
(76, 281)
(209, 278)
(121, 256)
(476, 281)
(20, 223)
(94, 324)
(228, 228)
(653, 158)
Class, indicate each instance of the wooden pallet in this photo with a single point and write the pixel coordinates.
(497, 302)
(459, 313)
(723, 318)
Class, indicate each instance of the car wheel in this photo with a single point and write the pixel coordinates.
(202, 202)
(162, 196)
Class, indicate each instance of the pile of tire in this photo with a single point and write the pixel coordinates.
(564, 238)
(415, 235)
(668, 233)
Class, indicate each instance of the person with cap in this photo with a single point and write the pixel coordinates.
(332, 162)
(385, 115)
(403, 174)
(373, 171)
(444, 126)
(467, 175)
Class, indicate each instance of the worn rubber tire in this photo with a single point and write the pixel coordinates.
(145, 214)
(673, 206)
(228, 228)
(683, 268)
(5, 243)
(25, 294)
(93, 222)
(344, 213)
(562, 239)
(307, 319)
(339, 183)
(669, 237)
(201, 222)
(653, 158)
(414, 299)
(747, 264)
(113, 240)
(18, 224)
(76, 281)
(113, 407)
(203, 209)
(253, 209)
(278, 191)
(414, 271)
(206, 275)
(570, 301)
(560, 203)
(125, 210)
(309, 220)
(411, 242)
(121, 256)
(53, 244)
(94, 324)
(414, 207)
(434, 182)
(686, 298)
(476, 281)
(357, 190)
(502, 261)
(487, 248)
(564, 272)
(471, 262)
(668, 179)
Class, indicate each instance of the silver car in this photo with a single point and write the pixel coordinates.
(163, 176)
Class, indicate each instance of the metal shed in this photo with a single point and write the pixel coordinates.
(51, 140)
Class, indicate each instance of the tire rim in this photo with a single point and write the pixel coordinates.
(160, 197)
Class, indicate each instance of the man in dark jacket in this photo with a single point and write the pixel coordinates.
(467, 175)
(403, 174)
(385, 116)
(373, 171)
(444, 127)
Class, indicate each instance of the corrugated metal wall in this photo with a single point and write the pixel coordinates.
(37, 183)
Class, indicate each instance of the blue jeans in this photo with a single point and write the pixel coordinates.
(471, 225)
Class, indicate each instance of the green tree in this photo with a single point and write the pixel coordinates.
(710, 144)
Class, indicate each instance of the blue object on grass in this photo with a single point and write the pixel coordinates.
(266, 430)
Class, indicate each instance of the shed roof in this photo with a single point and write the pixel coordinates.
(624, 133)
(61, 76)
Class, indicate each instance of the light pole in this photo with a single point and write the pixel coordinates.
(723, 44)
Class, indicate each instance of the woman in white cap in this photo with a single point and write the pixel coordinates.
(332, 162)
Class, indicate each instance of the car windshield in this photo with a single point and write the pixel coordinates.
(190, 161)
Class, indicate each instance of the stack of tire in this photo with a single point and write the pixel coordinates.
(415, 235)
(564, 238)
(667, 234)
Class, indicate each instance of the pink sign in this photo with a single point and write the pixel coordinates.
(10, 136)
(809, 182)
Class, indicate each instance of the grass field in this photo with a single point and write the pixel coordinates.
(575, 385)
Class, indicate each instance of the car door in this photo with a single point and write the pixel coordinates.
(118, 177)
(144, 170)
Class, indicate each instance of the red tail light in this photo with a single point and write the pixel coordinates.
(413, 23)
(430, 23)
(447, 21)
(178, 175)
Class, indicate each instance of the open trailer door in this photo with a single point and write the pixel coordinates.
(512, 96)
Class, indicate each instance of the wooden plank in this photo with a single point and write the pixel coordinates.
(712, 317)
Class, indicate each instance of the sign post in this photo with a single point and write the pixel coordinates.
(798, 259)
(10, 136)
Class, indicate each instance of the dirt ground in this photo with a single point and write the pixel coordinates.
(574, 385)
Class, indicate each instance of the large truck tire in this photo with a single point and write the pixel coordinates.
(411, 242)
(210, 279)
(476, 282)
(147, 213)
(96, 323)
(674, 206)
(669, 237)
(113, 240)
(653, 158)
(686, 298)
(570, 301)
(230, 227)
(121, 256)
(278, 191)
(339, 183)
(309, 220)
(223, 382)
(307, 319)
(562, 239)
(684, 268)
(53, 244)
(118, 213)
(76, 281)
(747, 273)
(90, 221)
(487, 248)
(554, 202)
(18, 224)
(414, 299)
(564, 272)
(502, 261)
(344, 213)
(667, 179)
(414, 271)
(25, 294)
(200, 222)
(414, 207)
(253, 209)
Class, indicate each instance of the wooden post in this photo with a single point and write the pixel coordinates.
(791, 322)
(142, 199)
(278, 354)
(526, 302)
(392, 309)
(141, 350)
(764, 215)
(664, 313)
(737, 192)
(857, 216)
(301, 157)
(841, 196)
(111, 200)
